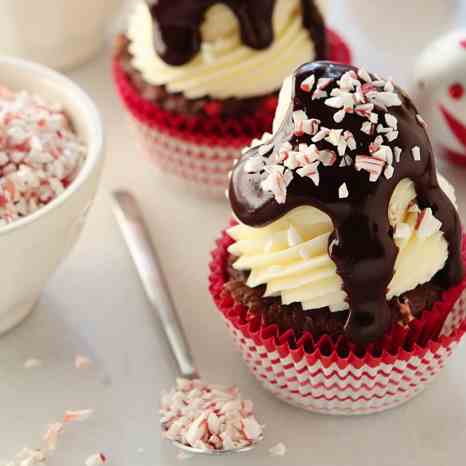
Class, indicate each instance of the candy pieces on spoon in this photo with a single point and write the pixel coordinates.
(208, 417)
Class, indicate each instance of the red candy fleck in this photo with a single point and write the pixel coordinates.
(463, 43)
(456, 91)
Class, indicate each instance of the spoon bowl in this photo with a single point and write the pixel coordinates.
(144, 255)
(213, 452)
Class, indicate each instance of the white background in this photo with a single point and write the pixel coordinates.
(94, 305)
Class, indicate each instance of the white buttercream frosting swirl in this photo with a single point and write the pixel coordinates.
(225, 67)
(290, 256)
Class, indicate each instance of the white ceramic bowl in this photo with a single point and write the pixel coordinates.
(32, 248)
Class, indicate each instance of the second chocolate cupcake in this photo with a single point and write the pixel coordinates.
(201, 78)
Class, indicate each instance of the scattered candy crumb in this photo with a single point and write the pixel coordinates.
(33, 363)
(75, 416)
(82, 362)
(40, 155)
(28, 457)
(52, 434)
(208, 417)
(33, 456)
(406, 313)
(278, 450)
(96, 459)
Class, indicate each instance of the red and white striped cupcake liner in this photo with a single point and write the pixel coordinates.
(322, 377)
(199, 151)
(201, 166)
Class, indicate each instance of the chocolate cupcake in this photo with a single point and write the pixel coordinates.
(347, 243)
(201, 78)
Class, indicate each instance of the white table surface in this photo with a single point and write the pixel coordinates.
(94, 305)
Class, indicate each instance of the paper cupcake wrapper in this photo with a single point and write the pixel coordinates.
(329, 378)
(201, 168)
(200, 151)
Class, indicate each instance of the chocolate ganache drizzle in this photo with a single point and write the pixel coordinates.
(178, 23)
(362, 244)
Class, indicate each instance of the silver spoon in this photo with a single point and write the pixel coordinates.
(144, 255)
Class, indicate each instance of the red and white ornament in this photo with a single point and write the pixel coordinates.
(440, 85)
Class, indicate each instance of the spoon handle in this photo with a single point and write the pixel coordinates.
(144, 255)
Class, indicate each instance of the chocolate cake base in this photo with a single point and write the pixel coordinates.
(322, 321)
(178, 103)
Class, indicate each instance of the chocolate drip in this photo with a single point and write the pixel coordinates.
(178, 23)
(362, 245)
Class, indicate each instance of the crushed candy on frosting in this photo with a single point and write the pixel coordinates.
(356, 93)
(40, 155)
(208, 417)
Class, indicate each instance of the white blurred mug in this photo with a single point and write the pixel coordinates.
(57, 33)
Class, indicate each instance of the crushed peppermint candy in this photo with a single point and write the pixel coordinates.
(389, 171)
(406, 313)
(78, 416)
(306, 126)
(208, 417)
(51, 436)
(308, 83)
(28, 457)
(391, 121)
(278, 450)
(40, 154)
(322, 85)
(368, 127)
(35, 456)
(357, 93)
(373, 165)
(343, 191)
(96, 459)
(82, 362)
(33, 363)
(277, 181)
(416, 152)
